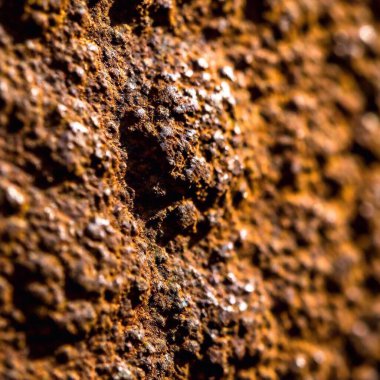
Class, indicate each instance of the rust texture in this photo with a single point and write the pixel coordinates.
(190, 189)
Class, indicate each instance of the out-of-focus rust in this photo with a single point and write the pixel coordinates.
(189, 189)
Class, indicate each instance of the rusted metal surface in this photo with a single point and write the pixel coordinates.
(189, 189)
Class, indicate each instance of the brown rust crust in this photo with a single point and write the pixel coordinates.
(189, 189)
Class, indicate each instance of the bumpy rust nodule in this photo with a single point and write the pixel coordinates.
(189, 189)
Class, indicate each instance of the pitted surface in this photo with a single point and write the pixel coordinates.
(189, 189)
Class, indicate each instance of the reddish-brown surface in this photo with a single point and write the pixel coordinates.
(189, 189)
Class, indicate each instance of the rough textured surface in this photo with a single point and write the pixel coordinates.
(189, 189)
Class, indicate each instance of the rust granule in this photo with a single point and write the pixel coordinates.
(190, 189)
